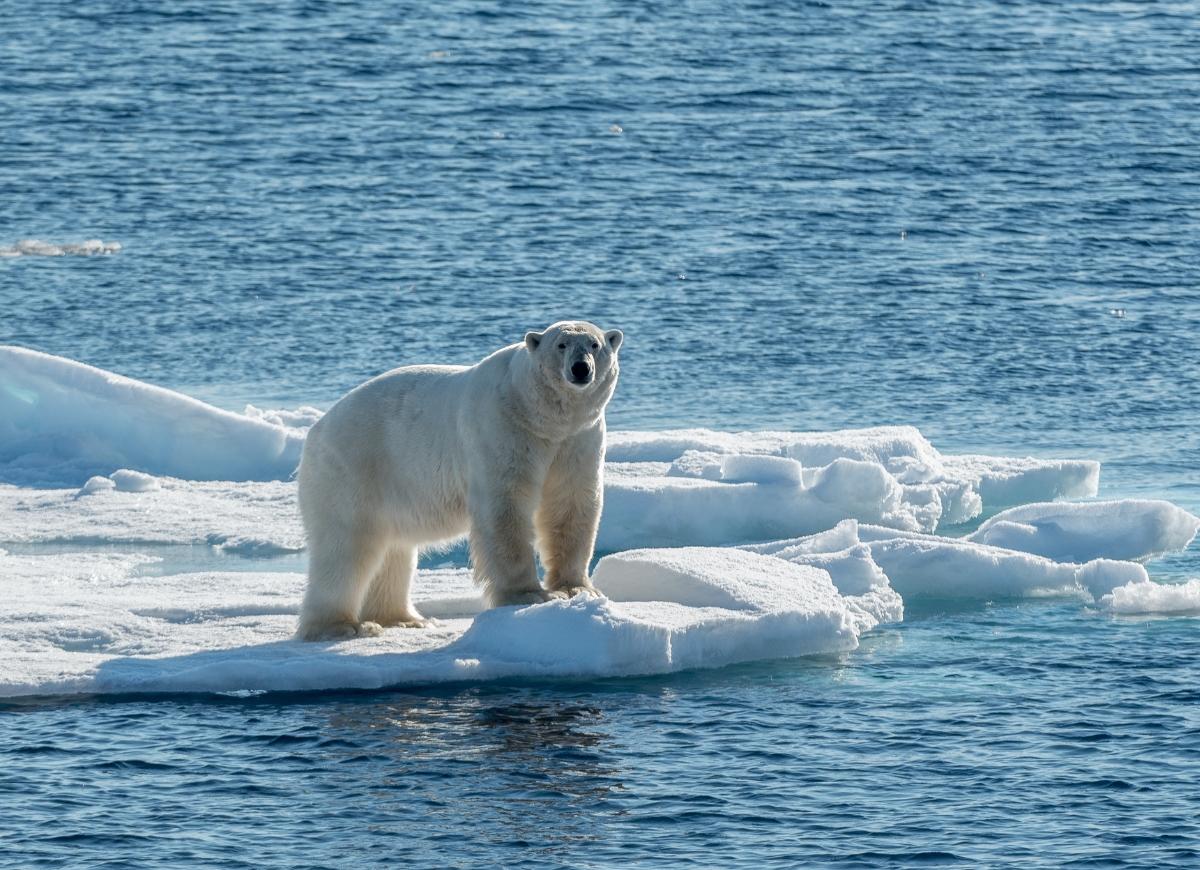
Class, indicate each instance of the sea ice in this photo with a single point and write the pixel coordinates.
(1147, 597)
(920, 565)
(89, 623)
(62, 422)
(38, 248)
(1132, 529)
(849, 520)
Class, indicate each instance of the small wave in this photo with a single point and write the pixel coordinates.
(38, 248)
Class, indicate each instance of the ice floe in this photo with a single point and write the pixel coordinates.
(723, 547)
(67, 628)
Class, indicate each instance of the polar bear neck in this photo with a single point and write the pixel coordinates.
(550, 409)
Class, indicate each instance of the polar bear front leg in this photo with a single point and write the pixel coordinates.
(501, 541)
(568, 516)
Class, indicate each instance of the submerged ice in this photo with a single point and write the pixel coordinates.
(723, 547)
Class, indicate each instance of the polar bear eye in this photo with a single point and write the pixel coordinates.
(562, 345)
(595, 345)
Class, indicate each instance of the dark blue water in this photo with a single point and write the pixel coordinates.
(1033, 735)
(978, 218)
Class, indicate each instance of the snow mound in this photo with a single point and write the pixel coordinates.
(89, 623)
(62, 422)
(1132, 529)
(1147, 597)
(128, 480)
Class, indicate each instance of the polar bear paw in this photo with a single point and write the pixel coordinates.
(339, 630)
(408, 621)
(588, 591)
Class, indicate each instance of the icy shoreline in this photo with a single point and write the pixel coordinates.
(725, 547)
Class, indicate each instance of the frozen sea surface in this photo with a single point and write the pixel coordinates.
(973, 223)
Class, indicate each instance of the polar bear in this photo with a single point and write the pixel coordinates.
(507, 450)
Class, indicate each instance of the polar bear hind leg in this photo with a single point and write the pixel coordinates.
(340, 569)
(388, 602)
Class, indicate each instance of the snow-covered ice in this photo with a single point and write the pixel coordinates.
(930, 566)
(90, 623)
(1136, 529)
(725, 547)
(1146, 597)
(247, 517)
(62, 422)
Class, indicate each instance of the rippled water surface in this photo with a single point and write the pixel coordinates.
(978, 218)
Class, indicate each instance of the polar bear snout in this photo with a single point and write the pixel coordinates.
(582, 372)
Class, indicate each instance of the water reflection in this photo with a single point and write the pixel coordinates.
(516, 767)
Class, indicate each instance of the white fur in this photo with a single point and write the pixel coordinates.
(507, 450)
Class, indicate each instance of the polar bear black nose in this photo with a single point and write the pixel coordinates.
(580, 371)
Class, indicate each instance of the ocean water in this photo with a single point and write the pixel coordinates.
(980, 219)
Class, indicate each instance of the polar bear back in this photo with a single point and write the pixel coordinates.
(396, 447)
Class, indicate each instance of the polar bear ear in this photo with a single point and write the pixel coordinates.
(533, 339)
(614, 337)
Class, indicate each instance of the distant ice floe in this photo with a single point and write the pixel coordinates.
(724, 547)
(38, 248)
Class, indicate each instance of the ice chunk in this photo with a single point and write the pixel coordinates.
(1133, 529)
(840, 537)
(95, 484)
(1146, 597)
(38, 248)
(919, 565)
(1004, 481)
(62, 421)
(711, 577)
(128, 480)
(741, 579)
(1101, 576)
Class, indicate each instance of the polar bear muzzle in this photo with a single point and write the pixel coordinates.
(581, 372)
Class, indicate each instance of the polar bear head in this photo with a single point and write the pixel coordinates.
(576, 356)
